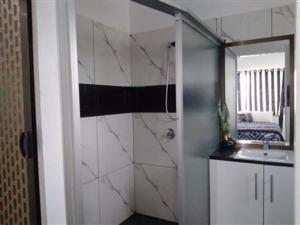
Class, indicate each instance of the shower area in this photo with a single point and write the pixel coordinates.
(149, 93)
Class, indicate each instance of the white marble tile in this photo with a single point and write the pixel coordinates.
(284, 20)
(149, 57)
(156, 191)
(91, 210)
(112, 56)
(89, 154)
(246, 26)
(85, 46)
(151, 146)
(117, 196)
(115, 142)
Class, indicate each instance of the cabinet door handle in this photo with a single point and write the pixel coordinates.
(255, 187)
(271, 188)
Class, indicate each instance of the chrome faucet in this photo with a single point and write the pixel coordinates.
(266, 145)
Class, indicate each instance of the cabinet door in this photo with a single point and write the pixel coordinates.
(279, 195)
(236, 193)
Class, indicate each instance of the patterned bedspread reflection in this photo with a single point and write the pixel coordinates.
(262, 131)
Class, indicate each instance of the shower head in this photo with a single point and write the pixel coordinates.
(172, 44)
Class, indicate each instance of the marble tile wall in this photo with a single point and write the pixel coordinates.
(284, 20)
(125, 156)
(155, 156)
(149, 60)
(258, 24)
(107, 169)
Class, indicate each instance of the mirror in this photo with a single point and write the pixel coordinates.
(258, 90)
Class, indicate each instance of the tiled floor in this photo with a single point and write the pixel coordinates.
(138, 219)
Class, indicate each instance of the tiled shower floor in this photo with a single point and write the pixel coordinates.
(138, 219)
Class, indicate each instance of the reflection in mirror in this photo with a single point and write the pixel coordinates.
(262, 92)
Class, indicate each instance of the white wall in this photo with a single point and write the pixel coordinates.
(263, 61)
(49, 112)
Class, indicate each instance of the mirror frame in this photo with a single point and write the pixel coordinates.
(291, 39)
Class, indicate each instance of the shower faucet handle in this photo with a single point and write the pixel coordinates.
(170, 134)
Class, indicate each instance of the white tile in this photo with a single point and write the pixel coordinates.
(156, 191)
(149, 57)
(112, 56)
(284, 20)
(117, 196)
(85, 46)
(151, 146)
(91, 210)
(246, 26)
(89, 154)
(115, 142)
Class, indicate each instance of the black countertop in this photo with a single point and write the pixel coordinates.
(228, 155)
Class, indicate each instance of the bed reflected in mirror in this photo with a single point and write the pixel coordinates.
(262, 79)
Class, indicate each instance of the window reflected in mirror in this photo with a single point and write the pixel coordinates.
(262, 81)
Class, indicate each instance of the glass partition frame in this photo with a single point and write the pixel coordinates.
(198, 93)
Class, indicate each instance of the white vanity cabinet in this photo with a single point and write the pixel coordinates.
(236, 192)
(279, 195)
(249, 193)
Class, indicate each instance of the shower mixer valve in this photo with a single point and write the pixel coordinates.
(170, 134)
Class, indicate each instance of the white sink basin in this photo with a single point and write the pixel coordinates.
(280, 156)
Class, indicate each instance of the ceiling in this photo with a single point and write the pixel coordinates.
(143, 19)
(124, 15)
(113, 13)
(130, 17)
(208, 9)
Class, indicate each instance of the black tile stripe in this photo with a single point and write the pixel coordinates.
(97, 100)
(152, 99)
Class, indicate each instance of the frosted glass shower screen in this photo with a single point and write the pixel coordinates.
(197, 102)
